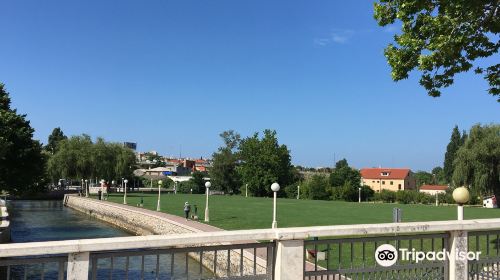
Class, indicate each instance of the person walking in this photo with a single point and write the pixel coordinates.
(187, 209)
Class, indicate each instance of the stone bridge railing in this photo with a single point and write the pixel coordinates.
(289, 250)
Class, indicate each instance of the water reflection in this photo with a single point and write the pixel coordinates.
(50, 220)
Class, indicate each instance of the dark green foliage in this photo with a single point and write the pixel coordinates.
(264, 161)
(477, 162)
(344, 174)
(439, 177)
(451, 151)
(316, 188)
(79, 158)
(423, 178)
(55, 138)
(442, 38)
(385, 196)
(21, 161)
(188, 186)
(223, 174)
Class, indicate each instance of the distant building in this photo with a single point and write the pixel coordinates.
(392, 179)
(130, 145)
(433, 189)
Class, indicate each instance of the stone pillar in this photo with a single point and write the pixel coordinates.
(458, 243)
(78, 266)
(289, 260)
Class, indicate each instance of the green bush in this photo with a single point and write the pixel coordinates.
(385, 196)
(185, 187)
(406, 197)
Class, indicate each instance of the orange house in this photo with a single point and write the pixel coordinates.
(393, 179)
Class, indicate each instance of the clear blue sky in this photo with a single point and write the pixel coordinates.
(166, 73)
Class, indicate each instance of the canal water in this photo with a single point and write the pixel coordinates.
(50, 220)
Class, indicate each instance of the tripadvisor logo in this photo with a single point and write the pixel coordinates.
(386, 255)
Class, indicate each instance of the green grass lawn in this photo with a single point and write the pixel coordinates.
(239, 212)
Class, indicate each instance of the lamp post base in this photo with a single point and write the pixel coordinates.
(207, 219)
(158, 206)
(460, 212)
(275, 224)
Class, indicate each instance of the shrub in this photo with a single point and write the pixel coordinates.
(386, 196)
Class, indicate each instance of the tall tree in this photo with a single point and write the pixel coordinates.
(423, 177)
(451, 151)
(438, 174)
(223, 173)
(344, 174)
(478, 161)
(55, 138)
(442, 38)
(21, 161)
(263, 162)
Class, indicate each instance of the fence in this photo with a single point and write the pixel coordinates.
(335, 252)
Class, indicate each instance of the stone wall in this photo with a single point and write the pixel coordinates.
(144, 223)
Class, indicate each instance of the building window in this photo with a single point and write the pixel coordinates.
(392, 182)
(383, 182)
(399, 186)
(373, 181)
(385, 173)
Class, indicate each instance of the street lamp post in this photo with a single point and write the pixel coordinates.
(359, 194)
(125, 194)
(246, 190)
(275, 187)
(81, 187)
(207, 216)
(159, 193)
(298, 192)
(101, 197)
(86, 188)
(461, 196)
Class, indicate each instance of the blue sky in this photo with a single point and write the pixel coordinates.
(172, 73)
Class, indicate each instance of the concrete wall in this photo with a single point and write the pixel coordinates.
(144, 223)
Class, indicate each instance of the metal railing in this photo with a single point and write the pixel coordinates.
(488, 243)
(354, 258)
(48, 267)
(237, 261)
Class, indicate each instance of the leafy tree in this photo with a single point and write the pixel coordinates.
(423, 177)
(21, 161)
(78, 158)
(316, 188)
(55, 138)
(438, 174)
(343, 174)
(263, 162)
(223, 172)
(442, 38)
(451, 151)
(198, 181)
(478, 161)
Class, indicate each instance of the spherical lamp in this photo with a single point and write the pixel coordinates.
(275, 187)
(461, 195)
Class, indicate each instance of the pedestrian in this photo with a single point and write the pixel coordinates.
(187, 209)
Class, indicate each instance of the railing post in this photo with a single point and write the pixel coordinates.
(289, 260)
(458, 266)
(78, 266)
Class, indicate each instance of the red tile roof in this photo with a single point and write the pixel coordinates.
(434, 187)
(376, 173)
